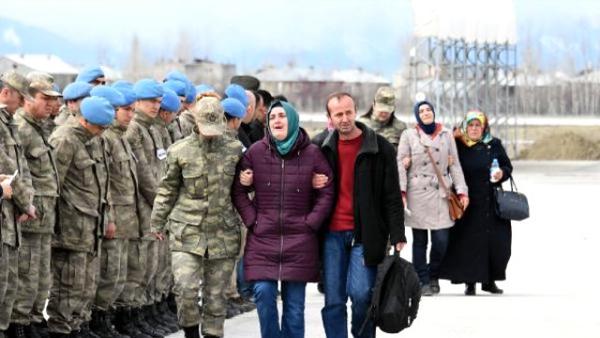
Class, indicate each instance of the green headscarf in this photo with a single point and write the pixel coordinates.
(285, 146)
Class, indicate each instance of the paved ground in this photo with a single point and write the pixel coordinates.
(553, 276)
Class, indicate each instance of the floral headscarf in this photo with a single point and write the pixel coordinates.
(486, 136)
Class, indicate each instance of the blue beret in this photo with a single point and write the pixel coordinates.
(177, 86)
(170, 101)
(190, 93)
(147, 89)
(90, 74)
(233, 107)
(204, 88)
(176, 75)
(113, 96)
(126, 89)
(97, 110)
(237, 92)
(76, 90)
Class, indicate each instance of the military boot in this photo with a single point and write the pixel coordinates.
(140, 322)
(125, 325)
(164, 319)
(2, 334)
(31, 331)
(87, 332)
(153, 321)
(40, 329)
(192, 331)
(110, 327)
(17, 331)
(164, 309)
(58, 335)
(172, 303)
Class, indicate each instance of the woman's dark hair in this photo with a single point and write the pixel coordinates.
(280, 97)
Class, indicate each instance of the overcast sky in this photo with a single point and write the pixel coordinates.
(327, 32)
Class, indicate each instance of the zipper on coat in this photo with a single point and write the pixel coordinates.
(281, 218)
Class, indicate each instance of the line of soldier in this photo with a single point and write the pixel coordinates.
(76, 232)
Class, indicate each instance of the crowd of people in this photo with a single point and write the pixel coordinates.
(139, 209)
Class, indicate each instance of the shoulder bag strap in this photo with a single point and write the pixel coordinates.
(437, 171)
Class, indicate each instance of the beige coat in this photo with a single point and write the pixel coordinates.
(425, 198)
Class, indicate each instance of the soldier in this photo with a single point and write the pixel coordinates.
(380, 116)
(34, 273)
(146, 144)
(184, 124)
(193, 205)
(174, 127)
(169, 106)
(93, 75)
(13, 92)
(73, 94)
(81, 162)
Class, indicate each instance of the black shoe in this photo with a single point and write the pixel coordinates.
(491, 288)
(163, 308)
(58, 335)
(87, 332)
(192, 331)
(77, 334)
(320, 288)
(435, 286)
(172, 303)
(163, 319)
(143, 326)
(248, 305)
(152, 319)
(98, 325)
(39, 330)
(470, 289)
(124, 324)
(232, 310)
(17, 331)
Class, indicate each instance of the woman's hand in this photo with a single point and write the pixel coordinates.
(247, 177)
(498, 175)
(319, 181)
(464, 199)
(450, 160)
(406, 162)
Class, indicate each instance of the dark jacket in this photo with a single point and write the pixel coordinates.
(256, 132)
(244, 135)
(320, 137)
(479, 245)
(378, 208)
(286, 213)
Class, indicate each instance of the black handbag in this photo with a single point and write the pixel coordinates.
(511, 205)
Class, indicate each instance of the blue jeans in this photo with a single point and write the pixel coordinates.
(292, 320)
(345, 275)
(439, 244)
(244, 288)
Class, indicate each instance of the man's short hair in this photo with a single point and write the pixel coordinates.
(338, 95)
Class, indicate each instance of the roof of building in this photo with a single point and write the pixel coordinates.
(298, 74)
(47, 63)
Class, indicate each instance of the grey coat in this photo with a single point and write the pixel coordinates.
(426, 199)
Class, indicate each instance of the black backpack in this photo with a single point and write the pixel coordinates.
(396, 295)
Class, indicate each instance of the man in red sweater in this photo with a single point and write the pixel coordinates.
(368, 211)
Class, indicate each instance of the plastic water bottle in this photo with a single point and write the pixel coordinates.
(493, 169)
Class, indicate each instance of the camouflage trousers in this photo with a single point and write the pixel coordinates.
(187, 268)
(145, 294)
(74, 283)
(136, 270)
(164, 275)
(9, 271)
(232, 290)
(113, 272)
(34, 278)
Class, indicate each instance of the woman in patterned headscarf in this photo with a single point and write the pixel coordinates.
(480, 243)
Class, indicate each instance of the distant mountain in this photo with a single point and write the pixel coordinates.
(16, 37)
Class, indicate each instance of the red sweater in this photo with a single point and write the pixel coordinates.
(343, 214)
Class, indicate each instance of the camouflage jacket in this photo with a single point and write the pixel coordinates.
(40, 159)
(161, 129)
(182, 126)
(11, 159)
(83, 208)
(124, 192)
(146, 144)
(391, 131)
(64, 115)
(195, 196)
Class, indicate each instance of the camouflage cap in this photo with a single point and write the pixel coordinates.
(43, 82)
(16, 81)
(209, 116)
(385, 99)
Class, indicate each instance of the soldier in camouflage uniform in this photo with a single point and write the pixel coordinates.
(13, 91)
(146, 144)
(34, 253)
(193, 205)
(83, 217)
(73, 94)
(129, 250)
(380, 116)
